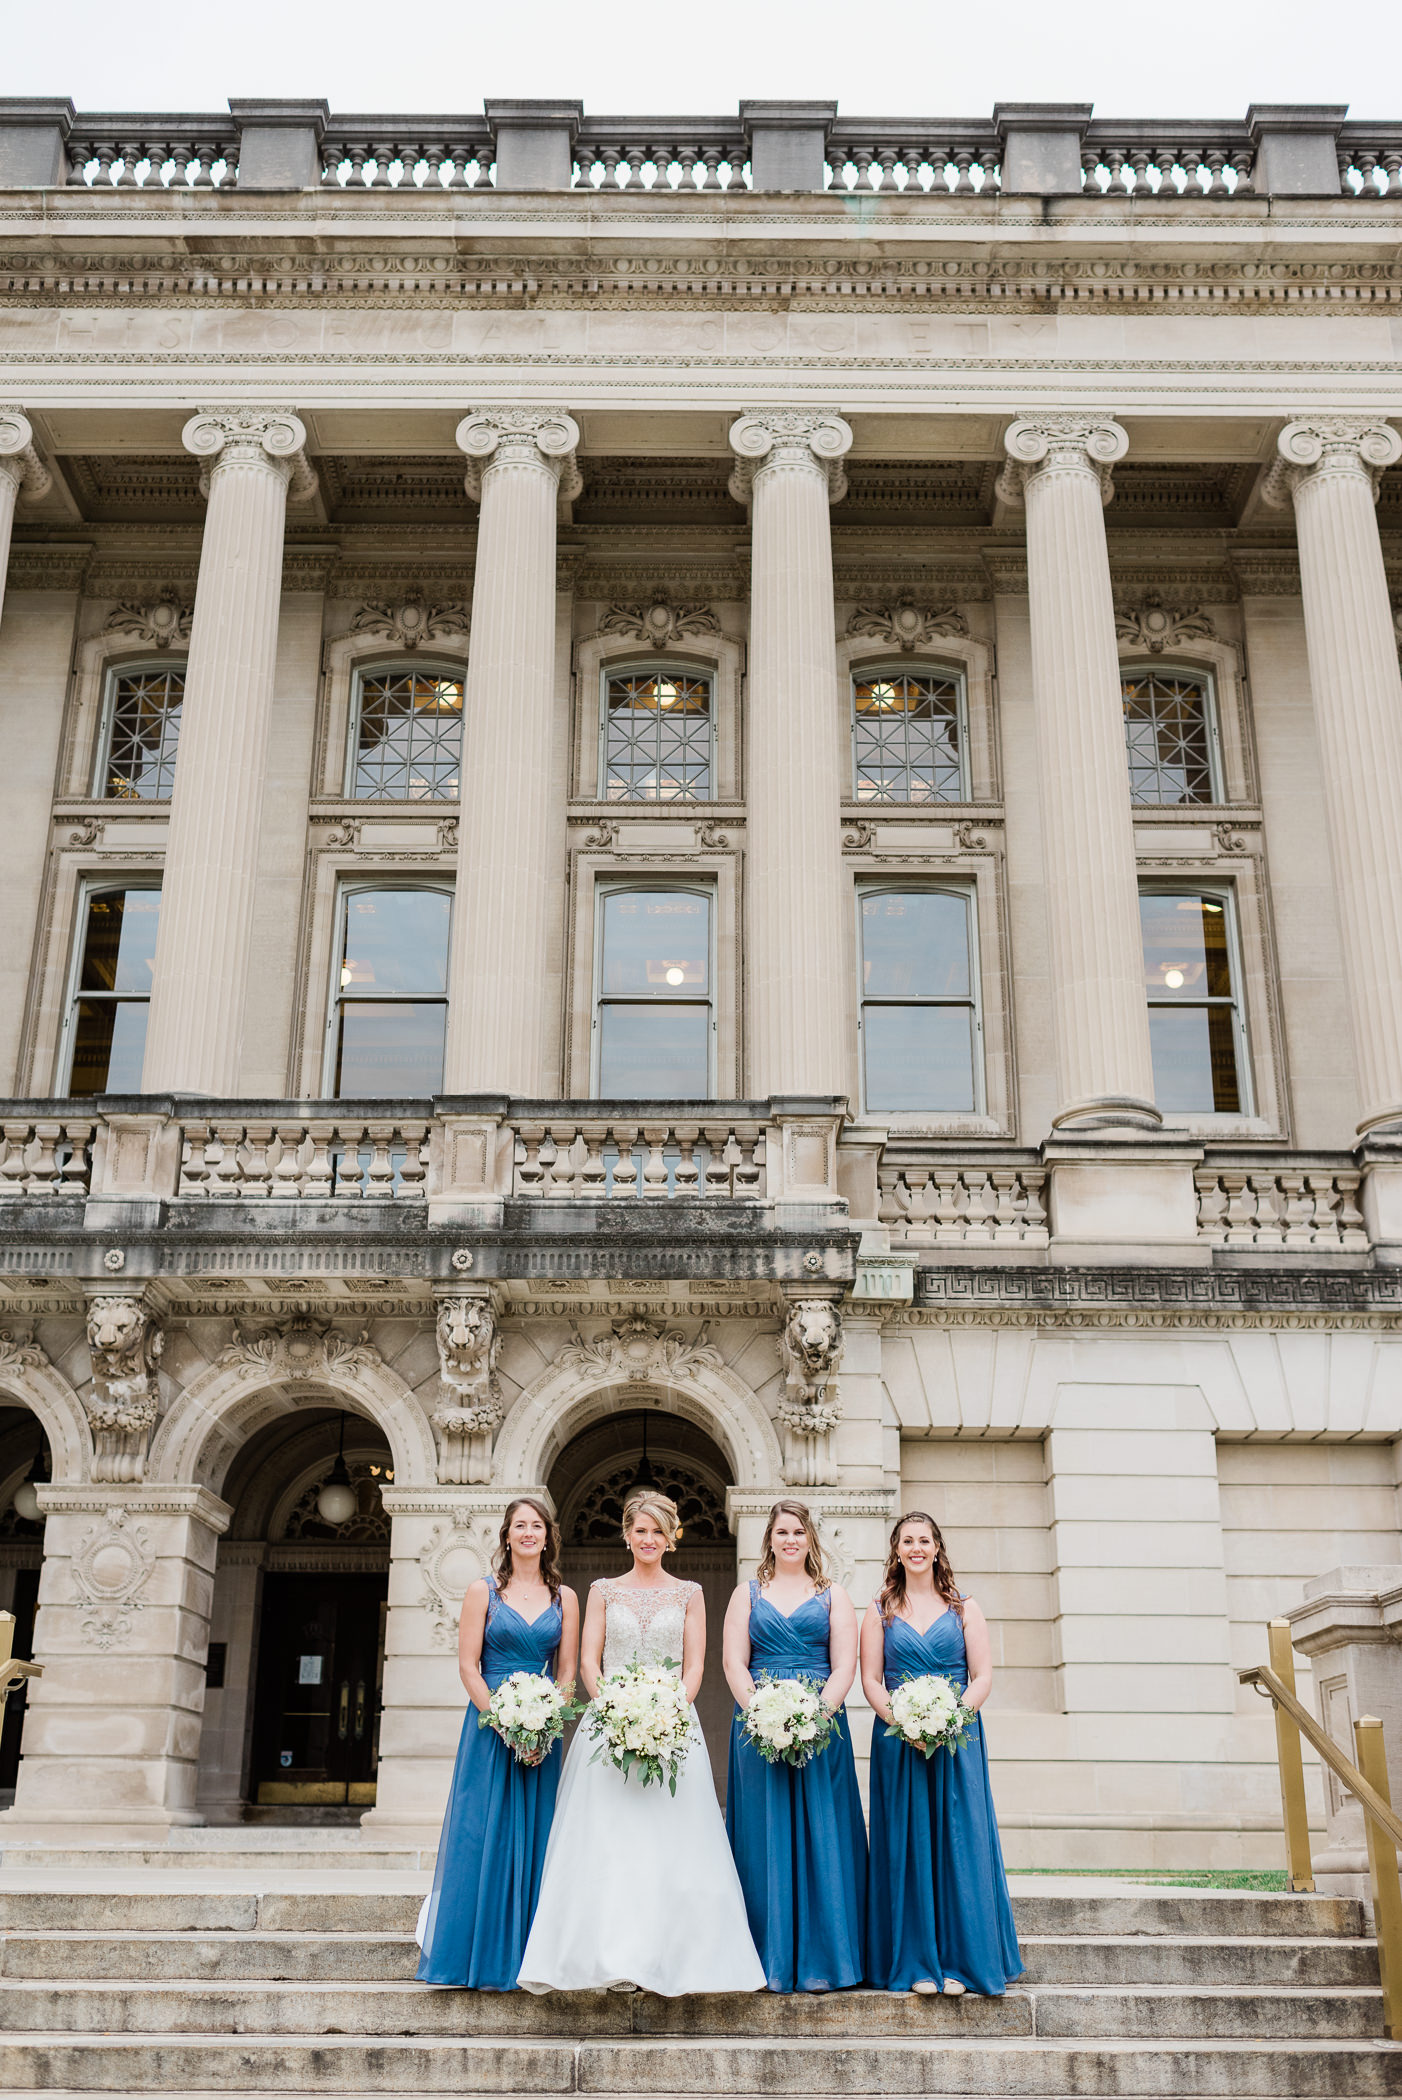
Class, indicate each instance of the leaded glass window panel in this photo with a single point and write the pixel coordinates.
(112, 994)
(1168, 733)
(919, 1017)
(407, 743)
(390, 1011)
(907, 742)
(657, 736)
(1195, 1029)
(143, 731)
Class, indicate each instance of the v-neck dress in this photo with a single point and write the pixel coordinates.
(937, 1894)
(797, 1835)
(473, 1927)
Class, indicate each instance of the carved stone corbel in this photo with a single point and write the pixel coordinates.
(810, 1348)
(126, 1342)
(469, 1410)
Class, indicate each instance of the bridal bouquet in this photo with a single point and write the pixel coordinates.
(642, 1719)
(787, 1721)
(928, 1713)
(529, 1712)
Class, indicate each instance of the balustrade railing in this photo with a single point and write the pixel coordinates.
(1301, 1203)
(305, 1160)
(898, 154)
(954, 1205)
(601, 1158)
(679, 153)
(46, 1156)
(379, 153)
(1370, 160)
(1200, 160)
(126, 152)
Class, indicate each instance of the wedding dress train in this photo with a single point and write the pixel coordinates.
(639, 1884)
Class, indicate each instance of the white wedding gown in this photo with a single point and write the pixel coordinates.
(639, 1883)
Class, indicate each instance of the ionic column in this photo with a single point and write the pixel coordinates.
(789, 471)
(1061, 467)
(20, 468)
(511, 849)
(1330, 465)
(194, 1039)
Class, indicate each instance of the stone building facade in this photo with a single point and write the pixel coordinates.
(720, 794)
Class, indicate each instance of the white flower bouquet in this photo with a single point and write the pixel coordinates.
(928, 1713)
(642, 1720)
(529, 1712)
(786, 1720)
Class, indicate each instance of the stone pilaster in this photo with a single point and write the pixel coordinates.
(194, 1041)
(511, 836)
(1060, 464)
(1330, 465)
(789, 470)
(20, 469)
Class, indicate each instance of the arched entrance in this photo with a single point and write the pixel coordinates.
(589, 1483)
(24, 1455)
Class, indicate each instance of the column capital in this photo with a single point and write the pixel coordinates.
(1330, 444)
(1060, 441)
(18, 457)
(814, 437)
(274, 438)
(527, 436)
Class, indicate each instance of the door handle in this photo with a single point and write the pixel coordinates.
(343, 1717)
(360, 1710)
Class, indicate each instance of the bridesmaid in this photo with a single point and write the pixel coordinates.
(474, 1924)
(797, 1835)
(940, 1918)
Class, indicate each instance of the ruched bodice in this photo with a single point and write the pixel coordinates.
(938, 1652)
(796, 1646)
(511, 1643)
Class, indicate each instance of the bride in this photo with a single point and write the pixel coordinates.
(590, 1930)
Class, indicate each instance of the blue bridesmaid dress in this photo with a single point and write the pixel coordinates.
(492, 1849)
(937, 1894)
(798, 1837)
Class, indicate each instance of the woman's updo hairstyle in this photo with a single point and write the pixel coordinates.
(646, 1502)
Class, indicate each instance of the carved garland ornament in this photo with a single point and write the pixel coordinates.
(125, 1343)
(1154, 626)
(639, 1349)
(659, 623)
(301, 1348)
(411, 620)
(904, 625)
(160, 621)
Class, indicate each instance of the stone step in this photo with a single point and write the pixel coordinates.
(320, 1957)
(840, 2017)
(978, 2064)
(109, 1859)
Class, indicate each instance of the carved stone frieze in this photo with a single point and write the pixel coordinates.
(157, 622)
(302, 1348)
(413, 619)
(638, 1349)
(659, 623)
(1153, 625)
(125, 1343)
(469, 1412)
(110, 1569)
(905, 625)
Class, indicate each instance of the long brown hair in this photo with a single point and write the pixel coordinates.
(813, 1564)
(891, 1597)
(549, 1552)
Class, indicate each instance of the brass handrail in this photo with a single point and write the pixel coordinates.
(1368, 1783)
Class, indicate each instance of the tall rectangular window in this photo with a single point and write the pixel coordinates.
(141, 734)
(112, 990)
(657, 736)
(919, 1014)
(406, 736)
(1190, 980)
(1170, 737)
(654, 1013)
(389, 1009)
(907, 736)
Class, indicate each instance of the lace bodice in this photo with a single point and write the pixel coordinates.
(644, 1625)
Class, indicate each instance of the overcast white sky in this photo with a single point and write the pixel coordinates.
(1189, 58)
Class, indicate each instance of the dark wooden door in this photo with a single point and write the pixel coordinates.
(24, 1607)
(320, 1665)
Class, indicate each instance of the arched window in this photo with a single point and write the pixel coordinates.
(908, 736)
(389, 1006)
(1191, 977)
(140, 733)
(406, 735)
(1171, 736)
(657, 735)
(111, 989)
(918, 999)
(654, 1017)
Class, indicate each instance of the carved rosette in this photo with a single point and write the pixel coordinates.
(469, 1412)
(160, 621)
(1154, 626)
(412, 620)
(811, 1343)
(906, 625)
(1317, 446)
(538, 437)
(636, 1350)
(125, 1343)
(1060, 443)
(19, 461)
(764, 438)
(265, 437)
(659, 623)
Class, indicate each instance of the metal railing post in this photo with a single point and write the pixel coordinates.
(1382, 1865)
(1295, 1815)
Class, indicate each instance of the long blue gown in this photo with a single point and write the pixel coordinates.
(798, 1837)
(492, 1850)
(937, 1894)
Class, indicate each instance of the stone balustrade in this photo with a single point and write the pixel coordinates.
(670, 1154)
(1001, 1204)
(313, 1160)
(46, 1155)
(1308, 1202)
(125, 152)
